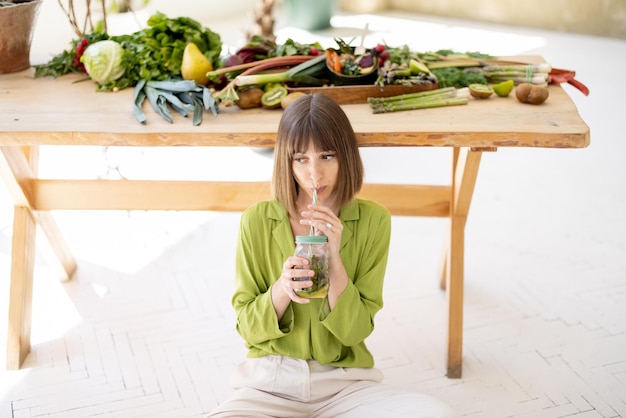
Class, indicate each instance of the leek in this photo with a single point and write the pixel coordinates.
(184, 96)
(305, 73)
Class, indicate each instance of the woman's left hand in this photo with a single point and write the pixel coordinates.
(324, 220)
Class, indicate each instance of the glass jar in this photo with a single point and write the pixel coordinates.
(314, 248)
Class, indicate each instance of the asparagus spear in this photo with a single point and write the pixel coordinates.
(448, 96)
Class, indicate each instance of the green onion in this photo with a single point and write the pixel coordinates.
(305, 72)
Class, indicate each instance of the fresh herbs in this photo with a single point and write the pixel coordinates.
(291, 47)
(448, 66)
(156, 53)
(457, 77)
(400, 55)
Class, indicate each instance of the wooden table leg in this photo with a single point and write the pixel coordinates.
(21, 290)
(18, 167)
(443, 264)
(464, 171)
(55, 250)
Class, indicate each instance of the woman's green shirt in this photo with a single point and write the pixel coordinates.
(311, 331)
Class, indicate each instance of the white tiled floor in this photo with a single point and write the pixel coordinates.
(146, 328)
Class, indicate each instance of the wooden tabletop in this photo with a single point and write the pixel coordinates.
(73, 113)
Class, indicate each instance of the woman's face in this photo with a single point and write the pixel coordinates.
(315, 170)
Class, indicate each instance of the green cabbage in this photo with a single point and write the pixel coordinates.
(103, 61)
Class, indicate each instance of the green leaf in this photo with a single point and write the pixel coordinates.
(138, 97)
(158, 103)
(173, 85)
(197, 113)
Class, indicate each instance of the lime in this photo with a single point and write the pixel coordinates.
(417, 67)
(480, 91)
(504, 89)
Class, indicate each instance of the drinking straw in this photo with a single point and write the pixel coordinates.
(315, 203)
(311, 232)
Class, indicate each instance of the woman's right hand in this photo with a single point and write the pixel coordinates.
(295, 276)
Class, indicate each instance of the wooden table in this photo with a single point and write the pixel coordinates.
(60, 112)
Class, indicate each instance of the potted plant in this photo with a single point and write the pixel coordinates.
(17, 20)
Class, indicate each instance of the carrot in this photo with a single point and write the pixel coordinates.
(333, 60)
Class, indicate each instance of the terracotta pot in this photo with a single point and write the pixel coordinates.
(17, 25)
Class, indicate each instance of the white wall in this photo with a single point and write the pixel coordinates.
(53, 32)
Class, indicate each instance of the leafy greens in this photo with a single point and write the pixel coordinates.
(154, 53)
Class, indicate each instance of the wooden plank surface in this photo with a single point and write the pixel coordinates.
(402, 200)
(73, 113)
(359, 94)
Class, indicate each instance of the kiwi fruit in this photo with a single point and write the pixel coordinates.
(271, 99)
(538, 95)
(480, 91)
(249, 98)
(530, 93)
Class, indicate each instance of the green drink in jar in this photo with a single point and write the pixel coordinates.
(314, 248)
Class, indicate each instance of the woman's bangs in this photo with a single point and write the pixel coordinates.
(306, 131)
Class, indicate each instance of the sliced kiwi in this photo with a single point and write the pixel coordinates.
(271, 98)
(480, 91)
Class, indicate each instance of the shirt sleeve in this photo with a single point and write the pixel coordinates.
(257, 322)
(352, 319)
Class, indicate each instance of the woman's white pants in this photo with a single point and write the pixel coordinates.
(277, 386)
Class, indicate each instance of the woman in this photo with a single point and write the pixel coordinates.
(307, 357)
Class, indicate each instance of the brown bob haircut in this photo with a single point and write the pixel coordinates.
(316, 118)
